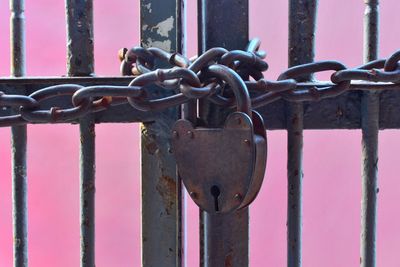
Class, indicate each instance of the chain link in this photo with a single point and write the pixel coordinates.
(207, 76)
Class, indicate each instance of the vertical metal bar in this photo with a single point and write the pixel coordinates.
(80, 44)
(225, 237)
(80, 62)
(370, 129)
(162, 236)
(302, 18)
(87, 191)
(19, 140)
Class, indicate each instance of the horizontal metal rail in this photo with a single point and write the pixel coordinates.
(342, 112)
(43, 81)
(7, 84)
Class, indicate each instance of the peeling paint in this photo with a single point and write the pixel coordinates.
(148, 6)
(164, 27)
(165, 45)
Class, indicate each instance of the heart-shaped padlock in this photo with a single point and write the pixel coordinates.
(223, 168)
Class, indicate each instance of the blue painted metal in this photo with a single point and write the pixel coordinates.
(161, 23)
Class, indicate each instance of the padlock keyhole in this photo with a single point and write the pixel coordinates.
(215, 192)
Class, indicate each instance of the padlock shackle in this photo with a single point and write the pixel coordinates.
(236, 83)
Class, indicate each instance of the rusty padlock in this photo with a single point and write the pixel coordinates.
(223, 168)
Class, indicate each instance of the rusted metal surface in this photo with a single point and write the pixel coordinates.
(87, 191)
(222, 175)
(365, 97)
(227, 170)
(342, 112)
(161, 26)
(302, 17)
(261, 158)
(224, 236)
(19, 141)
(80, 62)
(19, 189)
(80, 42)
(17, 28)
(183, 83)
(370, 129)
(121, 113)
(226, 242)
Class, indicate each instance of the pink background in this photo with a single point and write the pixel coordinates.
(331, 158)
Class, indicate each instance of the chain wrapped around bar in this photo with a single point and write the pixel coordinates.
(189, 79)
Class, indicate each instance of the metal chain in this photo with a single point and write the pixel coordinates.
(190, 79)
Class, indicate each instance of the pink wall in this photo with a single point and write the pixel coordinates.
(332, 159)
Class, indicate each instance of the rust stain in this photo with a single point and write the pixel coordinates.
(228, 260)
(89, 187)
(91, 130)
(339, 113)
(151, 147)
(166, 187)
(149, 141)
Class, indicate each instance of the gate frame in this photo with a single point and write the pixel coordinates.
(224, 238)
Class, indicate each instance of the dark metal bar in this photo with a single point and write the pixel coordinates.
(302, 18)
(80, 43)
(341, 112)
(18, 51)
(19, 141)
(125, 80)
(40, 82)
(370, 129)
(87, 191)
(225, 237)
(162, 235)
(80, 62)
(19, 189)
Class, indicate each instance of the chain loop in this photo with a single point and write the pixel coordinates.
(55, 114)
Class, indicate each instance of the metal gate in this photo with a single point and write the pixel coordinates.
(353, 99)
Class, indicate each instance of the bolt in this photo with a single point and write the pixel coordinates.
(191, 134)
(175, 134)
(247, 142)
(238, 197)
(193, 194)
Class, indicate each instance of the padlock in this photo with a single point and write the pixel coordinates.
(223, 168)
